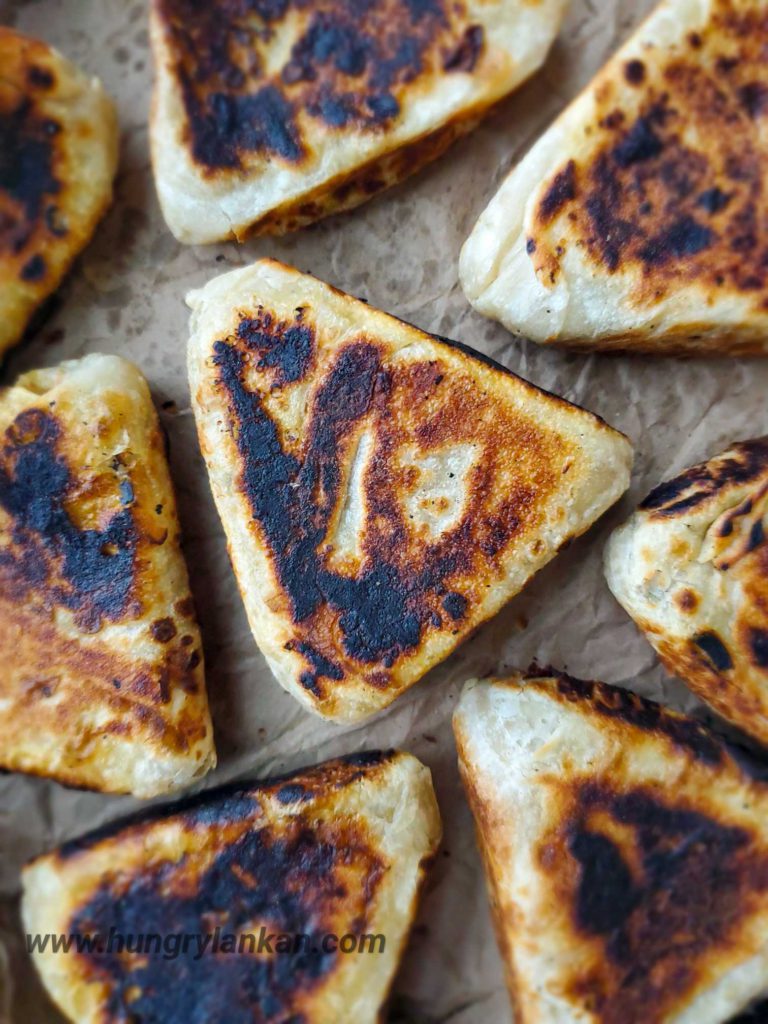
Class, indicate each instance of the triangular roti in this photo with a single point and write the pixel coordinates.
(329, 863)
(640, 220)
(58, 156)
(383, 491)
(267, 116)
(626, 850)
(101, 674)
(691, 568)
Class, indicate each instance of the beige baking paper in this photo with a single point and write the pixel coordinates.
(400, 252)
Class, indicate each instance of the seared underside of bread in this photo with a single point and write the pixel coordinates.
(383, 491)
(269, 116)
(640, 219)
(691, 568)
(332, 852)
(58, 156)
(101, 672)
(626, 850)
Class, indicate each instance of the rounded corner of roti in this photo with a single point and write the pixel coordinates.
(384, 491)
(58, 157)
(102, 682)
(691, 568)
(639, 220)
(270, 116)
(284, 900)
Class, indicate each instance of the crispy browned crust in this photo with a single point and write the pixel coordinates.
(676, 188)
(345, 68)
(625, 708)
(365, 624)
(745, 463)
(725, 662)
(50, 135)
(295, 854)
(86, 540)
(346, 191)
(384, 490)
(651, 885)
(237, 803)
(292, 876)
(98, 573)
(658, 886)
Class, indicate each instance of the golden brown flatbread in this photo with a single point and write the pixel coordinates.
(101, 667)
(691, 568)
(639, 220)
(286, 900)
(383, 491)
(268, 116)
(58, 156)
(626, 850)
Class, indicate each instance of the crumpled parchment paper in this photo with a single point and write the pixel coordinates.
(400, 252)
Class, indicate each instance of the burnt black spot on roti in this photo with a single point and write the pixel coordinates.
(287, 347)
(614, 702)
(40, 78)
(605, 896)
(27, 172)
(684, 237)
(666, 496)
(345, 68)
(660, 884)
(744, 462)
(321, 667)
(467, 53)
(634, 72)
(754, 98)
(715, 650)
(163, 630)
(292, 793)
(34, 269)
(90, 572)
(561, 191)
(640, 143)
(223, 805)
(758, 647)
(713, 200)
(231, 125)
(292, 882)
(756, 536)
(455, 605)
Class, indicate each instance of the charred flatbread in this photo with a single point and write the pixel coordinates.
(101, 669)
(383, 491)
(269, 116)
(691, 568)
(58, 156)
(639, 220)
(288, 900)
(626, 851)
